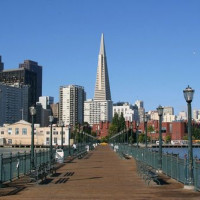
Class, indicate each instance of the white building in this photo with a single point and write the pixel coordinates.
(129, 111)
(182, 115)
(169, 118)
(141, 110)
(96, 111)
(71, 105)
(139, 104)
(153, 115)
(168, 114)
(46, 101)
(168, 110)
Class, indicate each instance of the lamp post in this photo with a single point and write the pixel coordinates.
(51, 150)
(131, 126)
(33, 113)
(145, 123)
(127, 131)
(137, 126)
(69, 127)
(62, 125)
(160, 113)
(188, 94)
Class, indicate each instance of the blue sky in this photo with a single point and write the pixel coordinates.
(152, 46)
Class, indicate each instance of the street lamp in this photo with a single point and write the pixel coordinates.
(33, 113)
(69, 127)
(145, 123)
(51, 151)
(62, 125)
(188, 94)
(160, 113)
(131, 126)
(137, 126)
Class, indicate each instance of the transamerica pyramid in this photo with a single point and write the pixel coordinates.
(102, 88)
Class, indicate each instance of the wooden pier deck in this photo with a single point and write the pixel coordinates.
(101, 175)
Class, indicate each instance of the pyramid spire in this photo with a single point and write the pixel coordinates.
(102, 88)
(102, 46)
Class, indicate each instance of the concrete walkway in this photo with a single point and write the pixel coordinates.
(102, 175)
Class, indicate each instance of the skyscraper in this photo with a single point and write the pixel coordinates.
(34, 67)
(102, 88)
(100, 109)
(1, 65)
(71, 104)
(13, 103)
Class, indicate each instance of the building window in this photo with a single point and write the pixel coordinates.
(163, 130)
(55, 140)
(24, 131)
(9, 141)
(47, 140)
(2, 132)
(63, 140)
(63, 132)
(9, 131)
(55, 132)
(16, 131)
(47, 132)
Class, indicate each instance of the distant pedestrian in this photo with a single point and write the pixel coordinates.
(74, 147)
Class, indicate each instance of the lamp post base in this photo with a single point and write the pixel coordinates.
(189, 187)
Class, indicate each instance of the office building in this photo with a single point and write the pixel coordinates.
(71, 105)
(46, 101)
(1, 65)
(55, 112)
(97, 111)
(141, 110)
(37, 69)
(13, 103)
(129, 111)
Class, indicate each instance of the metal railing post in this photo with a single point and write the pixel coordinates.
(1, 170)
(10, 167)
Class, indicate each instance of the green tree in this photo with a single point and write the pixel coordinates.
(118, 124)
(150, 129)
(112, 129)
(168, 139)
(122, 123)
(196, 133)
(141, 138)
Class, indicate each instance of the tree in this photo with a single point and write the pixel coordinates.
(196, 133)
(112, 129)
(168, 139)
(141, 138)
(122, 123)
(150, 128)
(118, 124)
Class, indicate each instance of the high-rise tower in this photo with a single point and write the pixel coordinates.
(1, 65)
(99, 109)
(102, 88)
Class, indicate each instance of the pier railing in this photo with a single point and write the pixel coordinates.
(172, 165)
(13, 166)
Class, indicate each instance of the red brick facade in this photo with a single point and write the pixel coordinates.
(175, 129)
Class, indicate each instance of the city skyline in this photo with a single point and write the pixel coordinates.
(152, 46)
